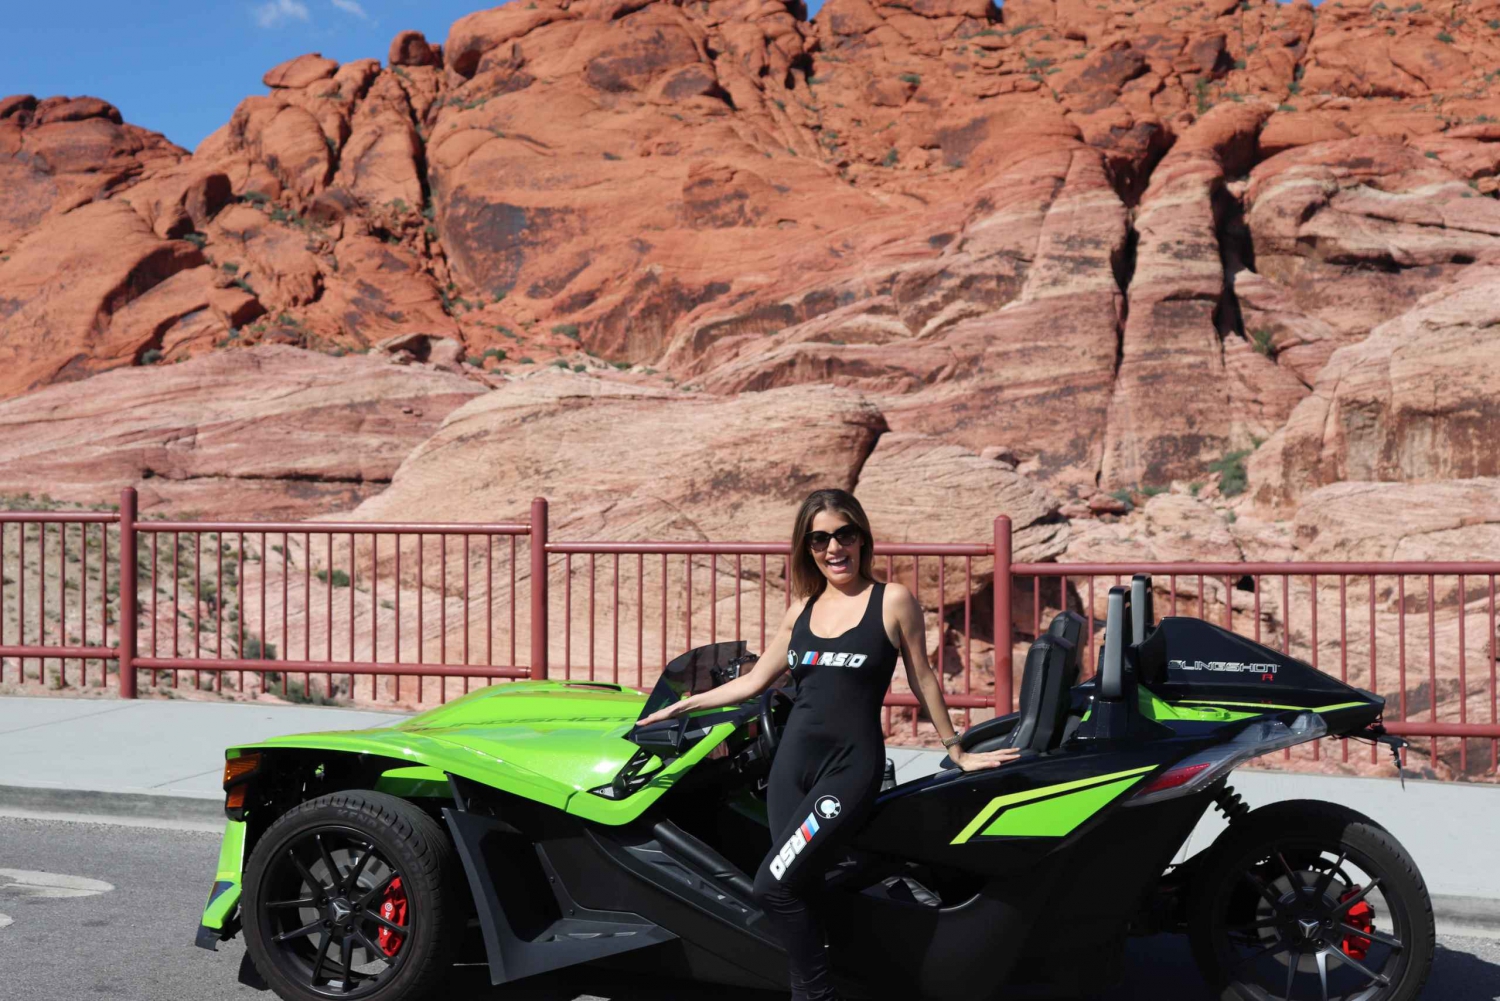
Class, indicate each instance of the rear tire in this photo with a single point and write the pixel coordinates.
(1275, 905)
(322, 875)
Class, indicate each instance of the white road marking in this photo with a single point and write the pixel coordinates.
(29, 883)
(5, 919)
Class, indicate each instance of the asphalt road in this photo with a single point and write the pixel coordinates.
(120, 925)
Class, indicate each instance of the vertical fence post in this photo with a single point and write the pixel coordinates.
(127, 592)
(1003, 664)
(538, 588)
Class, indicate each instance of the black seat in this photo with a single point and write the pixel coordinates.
(1051, 669)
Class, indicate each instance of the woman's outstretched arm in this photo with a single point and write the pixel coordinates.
(748, 685)
(926, 686)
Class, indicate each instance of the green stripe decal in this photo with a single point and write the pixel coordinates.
(1271, 706)
(1001, 802)
(1058, 816)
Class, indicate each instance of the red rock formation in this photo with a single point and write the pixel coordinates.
(272, 432)
(1413, 402)
(1120, 240)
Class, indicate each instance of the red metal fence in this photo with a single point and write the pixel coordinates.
(317, 610)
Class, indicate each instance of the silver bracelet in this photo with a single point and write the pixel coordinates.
(950, 741)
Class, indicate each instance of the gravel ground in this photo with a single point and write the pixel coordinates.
(133, 939)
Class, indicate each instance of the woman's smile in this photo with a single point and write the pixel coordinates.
(835, 544)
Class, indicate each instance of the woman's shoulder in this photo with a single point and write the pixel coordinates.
(794, 609)
(897, 597)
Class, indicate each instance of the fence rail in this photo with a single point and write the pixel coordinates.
(414, 610)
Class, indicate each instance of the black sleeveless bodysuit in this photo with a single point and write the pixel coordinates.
(824, 779)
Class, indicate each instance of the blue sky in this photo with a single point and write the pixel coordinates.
(180, 66)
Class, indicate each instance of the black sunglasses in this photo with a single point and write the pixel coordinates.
(848, 535)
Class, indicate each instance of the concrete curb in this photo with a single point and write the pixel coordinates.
(125, 805)
(1476, 917)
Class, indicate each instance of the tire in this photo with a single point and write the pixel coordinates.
(405, 850)
(1261, 887)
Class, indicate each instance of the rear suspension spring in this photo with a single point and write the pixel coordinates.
(1231, 804)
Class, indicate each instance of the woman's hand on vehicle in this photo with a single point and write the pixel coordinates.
(668, 712)
(978, 761)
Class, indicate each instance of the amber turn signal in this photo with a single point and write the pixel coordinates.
(236, 798)
(237, 768)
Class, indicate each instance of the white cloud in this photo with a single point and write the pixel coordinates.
(351, 7)
(275, 13)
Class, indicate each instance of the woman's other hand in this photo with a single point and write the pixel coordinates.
(971, 761)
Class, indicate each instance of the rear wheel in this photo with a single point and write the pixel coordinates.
(1309, 901)
(353, 895)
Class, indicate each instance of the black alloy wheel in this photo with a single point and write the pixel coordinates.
(352, 896)
(1311, 902)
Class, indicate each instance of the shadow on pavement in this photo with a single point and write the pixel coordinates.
(589, 984)
(1154, 968)
(1461, 976)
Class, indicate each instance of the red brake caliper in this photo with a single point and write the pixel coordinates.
(1361, 916)
(393, 909)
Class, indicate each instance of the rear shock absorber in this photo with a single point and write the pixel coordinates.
(1231, 804)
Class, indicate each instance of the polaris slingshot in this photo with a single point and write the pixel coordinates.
(533, 826)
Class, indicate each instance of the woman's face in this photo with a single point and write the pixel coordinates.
(839, 562)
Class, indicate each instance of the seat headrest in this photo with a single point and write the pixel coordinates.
(1067, 625)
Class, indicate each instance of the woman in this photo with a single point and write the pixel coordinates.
(840, 638)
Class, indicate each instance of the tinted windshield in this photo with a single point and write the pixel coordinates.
(698, 670)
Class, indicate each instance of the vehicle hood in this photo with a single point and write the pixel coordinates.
(572, 732)
(555, 738)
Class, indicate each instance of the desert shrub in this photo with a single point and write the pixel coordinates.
(1231, 470)
(255, 649)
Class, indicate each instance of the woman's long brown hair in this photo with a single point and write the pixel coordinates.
(807, 580)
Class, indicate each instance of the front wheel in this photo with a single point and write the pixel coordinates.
(1309, 901)
(353, 895)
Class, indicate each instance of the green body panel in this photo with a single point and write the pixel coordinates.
(1212, 710)
(1265, 707)
(414, 782)
(1002, 802)
(1058, 816)
(1154, 708)
(223, 899)
(623, 811)
(549, 741)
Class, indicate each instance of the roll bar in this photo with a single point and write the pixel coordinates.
(1142, 614)
(1117, 637)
